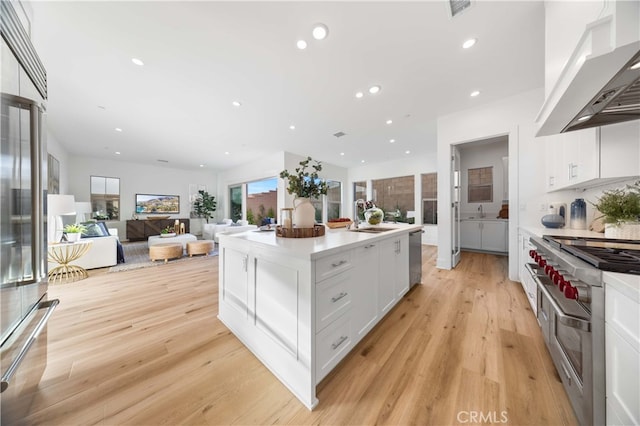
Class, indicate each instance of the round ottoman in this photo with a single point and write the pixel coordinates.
(165, 251)
(199, 247)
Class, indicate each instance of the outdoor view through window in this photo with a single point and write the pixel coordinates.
(262, 199)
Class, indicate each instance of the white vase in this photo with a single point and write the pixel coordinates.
(624, 230)
(304, 214)
(73, 237)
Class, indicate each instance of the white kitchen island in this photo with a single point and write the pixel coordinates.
(301, 304)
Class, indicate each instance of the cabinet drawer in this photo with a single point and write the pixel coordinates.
(333, 297)
(331, 265)
(332, 344)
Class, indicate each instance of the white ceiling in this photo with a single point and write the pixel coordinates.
(201, 56)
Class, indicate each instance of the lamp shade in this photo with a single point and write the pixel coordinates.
(82, 209)
(59, 205)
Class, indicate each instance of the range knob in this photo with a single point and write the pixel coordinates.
(549, 270)
(570, 292)
(532, 253)
(542, 262)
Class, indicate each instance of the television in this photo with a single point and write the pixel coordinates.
(157, 204)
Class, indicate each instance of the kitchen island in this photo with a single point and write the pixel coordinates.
(301, 304)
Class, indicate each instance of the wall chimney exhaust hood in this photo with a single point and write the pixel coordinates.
(600, 84)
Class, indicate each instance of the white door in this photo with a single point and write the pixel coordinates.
(455, 206)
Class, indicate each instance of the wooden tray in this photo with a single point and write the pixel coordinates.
(316, 231)
(334, 225)
(157, 217)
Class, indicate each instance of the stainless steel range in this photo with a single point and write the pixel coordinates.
(568, 274)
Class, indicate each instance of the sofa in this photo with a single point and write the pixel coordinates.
(210, 231)
(104, 250)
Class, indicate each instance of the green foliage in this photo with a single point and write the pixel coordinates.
(250, 218)
(620, 205)
(168, 230)
(204, 205)
(75, 228)
(304, 183)
(271, 213)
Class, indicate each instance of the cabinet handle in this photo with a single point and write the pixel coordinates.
(342, 262)
(338, 342)
(334, 299)
(245, 263)
(369, 246)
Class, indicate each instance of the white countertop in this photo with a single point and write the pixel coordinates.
(485, 219)
(312, 248)
(539, 231)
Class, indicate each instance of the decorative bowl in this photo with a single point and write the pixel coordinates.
(170, 234)
(552, 221)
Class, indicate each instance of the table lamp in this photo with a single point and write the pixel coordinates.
(57, 206)
(82, 208)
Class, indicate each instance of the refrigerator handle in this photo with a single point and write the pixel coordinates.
(50, 305)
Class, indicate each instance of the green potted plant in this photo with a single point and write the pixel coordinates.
(204, 205)
(74, 231)
(620, 210)
(306, 184)
(169, 231)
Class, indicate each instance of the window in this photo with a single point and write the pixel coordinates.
(235, 203)
(262, 200)
(334, 201)
(359, 190)
(430, 198)
(480, 185)
(105, 198)
(395, 196)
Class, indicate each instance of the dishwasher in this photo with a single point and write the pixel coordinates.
(415, 257)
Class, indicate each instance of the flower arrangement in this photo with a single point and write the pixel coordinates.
(74, 228)
(167, 230)
(305, 183)
(620, 205)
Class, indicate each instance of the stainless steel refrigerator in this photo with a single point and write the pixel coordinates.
(24, 307)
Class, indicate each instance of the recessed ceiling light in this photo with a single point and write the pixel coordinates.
(117, 152)
(118, 129)
(201, 165)
(226, 153)
(585, 117)
(320, 31)
(389, 121)
(137, 61)
(392, 141)
(301, 44)
(236, 104)
(475, 93)
(359, 95)
(292, 127)
(469, 43)
(362, 161)
(407, 152)
(342, 153)
(374, 89)
(635, 66)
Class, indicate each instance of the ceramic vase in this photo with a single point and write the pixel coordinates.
(73, 237)
(304, 214)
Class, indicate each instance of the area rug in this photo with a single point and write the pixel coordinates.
(136, 256)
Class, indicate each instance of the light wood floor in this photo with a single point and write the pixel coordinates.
(144, 347)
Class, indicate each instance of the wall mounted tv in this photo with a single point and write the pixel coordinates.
(157, 204)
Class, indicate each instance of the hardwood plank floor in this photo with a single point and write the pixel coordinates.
(145, 347)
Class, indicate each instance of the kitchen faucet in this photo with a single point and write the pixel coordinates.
(480, 210)
(356, 218)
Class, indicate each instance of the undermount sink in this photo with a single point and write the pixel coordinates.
(372, 230)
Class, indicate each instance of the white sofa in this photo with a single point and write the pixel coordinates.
(210, 231)
(103, 252)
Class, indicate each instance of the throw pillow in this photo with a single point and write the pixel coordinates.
(95, 229)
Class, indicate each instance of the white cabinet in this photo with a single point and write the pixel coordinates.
(622, 348)
(234, 288)
(587, 157)
(526, 280)
(487, 235)
(366, 288)
(393, 271)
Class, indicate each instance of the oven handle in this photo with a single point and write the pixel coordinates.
(565, 319)
(51, 306)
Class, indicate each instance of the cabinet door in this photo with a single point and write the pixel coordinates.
(494, 236)
(387, 274)
(365, 289)
(470, 234)
(620, 150)
(135, 230)
(582, 155)
(235, 279)
(402, 266)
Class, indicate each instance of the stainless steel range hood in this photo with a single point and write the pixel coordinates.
(600, 84)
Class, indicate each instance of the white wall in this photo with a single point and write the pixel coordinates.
(54, 148)
(137, 178)
(513, 116)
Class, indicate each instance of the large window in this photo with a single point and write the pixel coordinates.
(262, 200)
(480, 185)
(235, 203)
(430, 198)
(359, 190)
(105, 198)
(396, 197)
